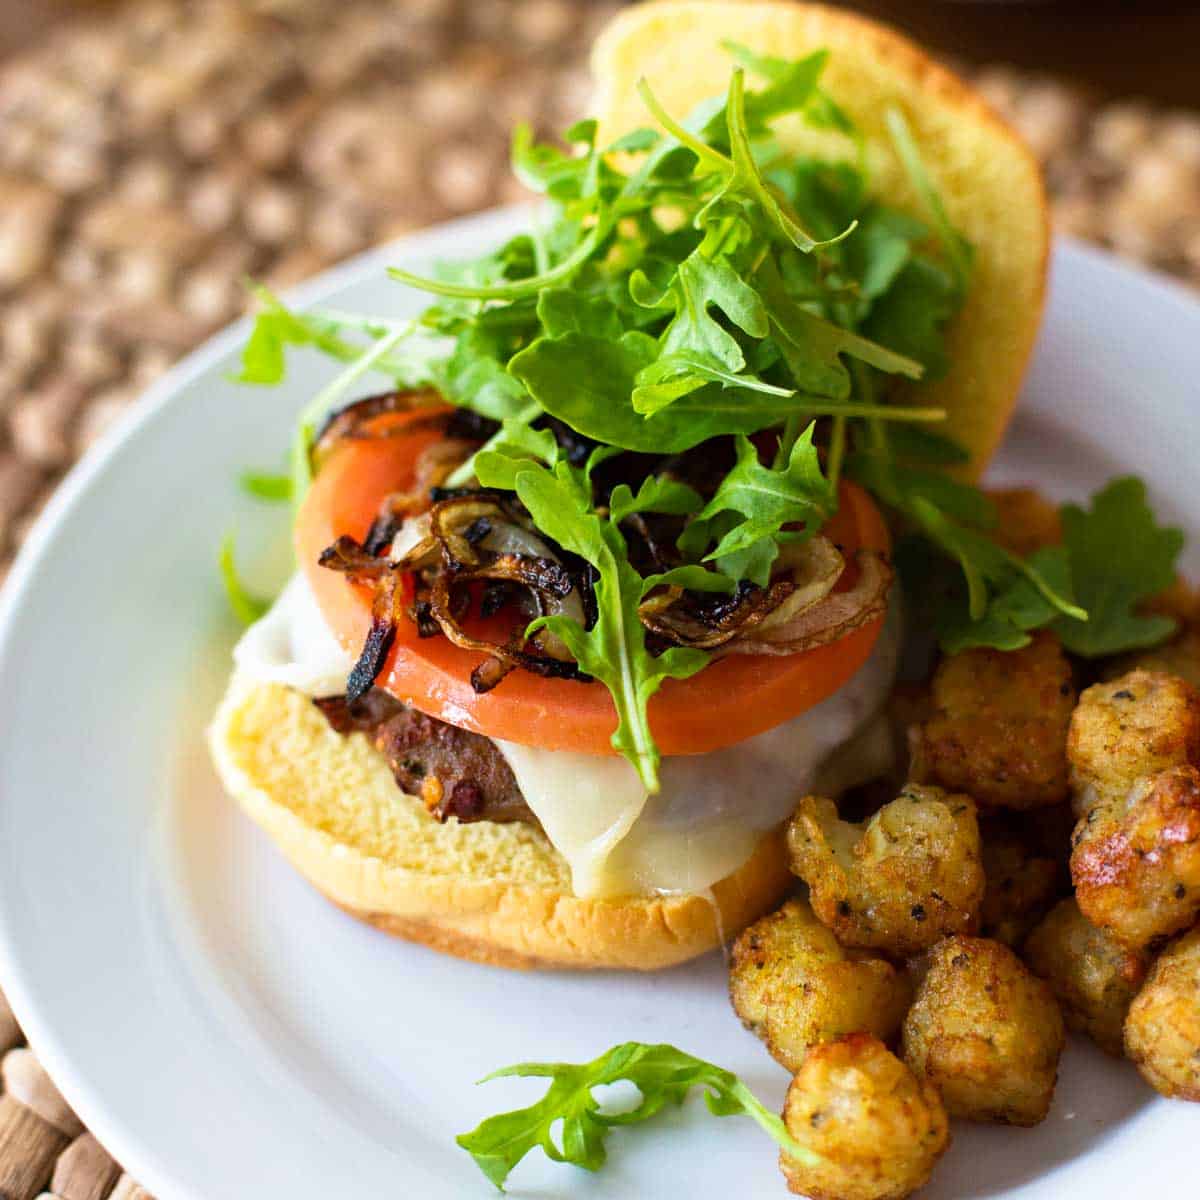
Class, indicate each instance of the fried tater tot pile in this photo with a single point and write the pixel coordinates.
(1038, 871)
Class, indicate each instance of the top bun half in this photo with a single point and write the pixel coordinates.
(989, 181)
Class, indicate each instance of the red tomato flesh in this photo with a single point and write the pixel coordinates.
(729, 701)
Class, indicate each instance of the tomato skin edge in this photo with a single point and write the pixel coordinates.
(729, 701)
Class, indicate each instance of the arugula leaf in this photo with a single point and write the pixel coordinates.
(813, 347)
(245, 606)
(986, 566)
(693, 578)
(667, 379)
(496, 464)
(1087, 591)
(475, 375)
(912, 314)
(657, 494)
(588, 383)
(662, 1074)
(761, 500)
(699, 283)
(613, 650)
(277, 327)
(565, 310)
(1120, 556)
(881, 248)
(1014, 611)
(694, 348)
(775, 208)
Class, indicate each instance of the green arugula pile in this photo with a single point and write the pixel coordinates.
(662, 1074)
(695, 282)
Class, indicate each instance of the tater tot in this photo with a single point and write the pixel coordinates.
(909, 876)
(1162, 1031)
(878, 1130)
(1093, 977)
(1021, 884)
(1025, 520)
(1134, 748)
(999, 730)
(986, 1032)
(1130, 727)
(793, 986)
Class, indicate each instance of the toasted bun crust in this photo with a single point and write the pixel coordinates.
(989, 181)
(498, 894)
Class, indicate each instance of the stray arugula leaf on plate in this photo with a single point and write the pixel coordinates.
(662, 1074)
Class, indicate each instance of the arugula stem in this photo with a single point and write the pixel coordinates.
(702, 150)
(514, 289)
(324, 400)
(1066, 607)
(837, 452)
(878, 413)
(906, 147)
(771, 1124)
(787, 439)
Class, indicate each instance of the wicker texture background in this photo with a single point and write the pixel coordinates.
(149, 163)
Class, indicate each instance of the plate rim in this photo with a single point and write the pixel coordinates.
(121, 1138)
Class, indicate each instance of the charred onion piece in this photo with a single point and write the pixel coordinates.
(432, 466)
(451, 520)
(348, 557)
(379, 641)
(414, 547)
(489, 673)
(836, 616)
(707, 622)
(484, 678)
(815, 567)
(351, 420)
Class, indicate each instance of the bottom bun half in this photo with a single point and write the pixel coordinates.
(497, 894)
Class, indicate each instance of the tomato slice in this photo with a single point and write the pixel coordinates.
(729, 701)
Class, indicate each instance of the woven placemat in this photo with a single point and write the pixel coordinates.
(149, 162)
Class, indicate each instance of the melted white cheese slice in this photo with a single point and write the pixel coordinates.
(292, 645)
(713, 808)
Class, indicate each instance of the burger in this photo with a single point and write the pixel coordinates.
(602, 579)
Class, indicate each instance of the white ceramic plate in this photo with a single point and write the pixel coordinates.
(223, 1030)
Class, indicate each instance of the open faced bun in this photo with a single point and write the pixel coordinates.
(498, 894)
